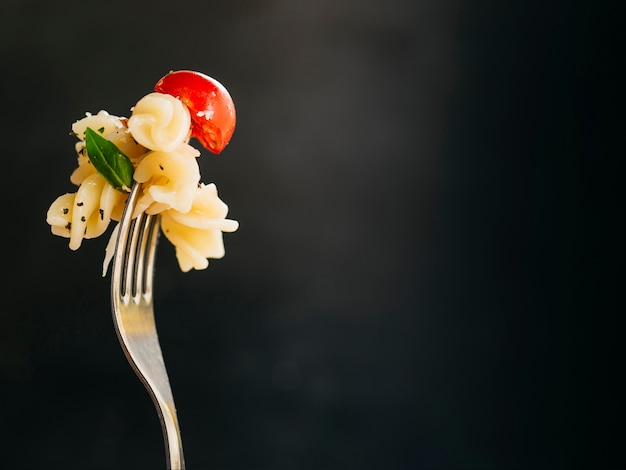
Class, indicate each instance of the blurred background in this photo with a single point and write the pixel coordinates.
(428, 272)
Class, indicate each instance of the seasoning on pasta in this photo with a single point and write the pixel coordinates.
(152, 147)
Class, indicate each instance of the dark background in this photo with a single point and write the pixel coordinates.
(428, 273)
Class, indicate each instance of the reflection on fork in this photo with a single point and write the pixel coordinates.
(133, 314)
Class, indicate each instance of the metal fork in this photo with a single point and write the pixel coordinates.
(133, 313)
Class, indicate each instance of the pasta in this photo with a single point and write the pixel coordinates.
(197, 233)
(155, 140)
(86, 213)
(160, 122)
(172, 179)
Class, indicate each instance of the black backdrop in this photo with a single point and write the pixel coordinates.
(429, 266)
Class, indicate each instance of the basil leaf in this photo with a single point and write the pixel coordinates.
(109, 160)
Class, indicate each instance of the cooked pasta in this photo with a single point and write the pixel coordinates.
(86, 213)
(103, 122)
(156, 141)
(197, 234)
(160, 122)
(171, 177)
(114, 129)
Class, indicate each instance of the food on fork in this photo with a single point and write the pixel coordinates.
(152, 148)
(211, 107)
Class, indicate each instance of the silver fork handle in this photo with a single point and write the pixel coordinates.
(159, 392)
(171, 430)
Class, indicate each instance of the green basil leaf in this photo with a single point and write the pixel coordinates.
(109, 160)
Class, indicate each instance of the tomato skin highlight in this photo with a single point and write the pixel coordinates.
(212, 110)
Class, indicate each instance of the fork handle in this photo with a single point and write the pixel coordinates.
(159, 389)
(171, 434)
(164, 403)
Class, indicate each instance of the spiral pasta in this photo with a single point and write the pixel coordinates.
(171, 177)
(160, 122)
(155, 140)
(86, 213)
(197, 234)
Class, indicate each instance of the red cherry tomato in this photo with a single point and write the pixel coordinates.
(210, 105)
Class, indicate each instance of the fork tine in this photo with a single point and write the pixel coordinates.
(133, 250)
(145, 262)
(119, 275)
(150, 258)
(136, 249)
(141, 253)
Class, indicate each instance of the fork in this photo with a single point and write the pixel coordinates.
(133, 313)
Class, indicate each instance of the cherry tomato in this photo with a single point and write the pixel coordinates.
(210, 105)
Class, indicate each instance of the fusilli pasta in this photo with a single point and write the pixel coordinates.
(156, 141)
